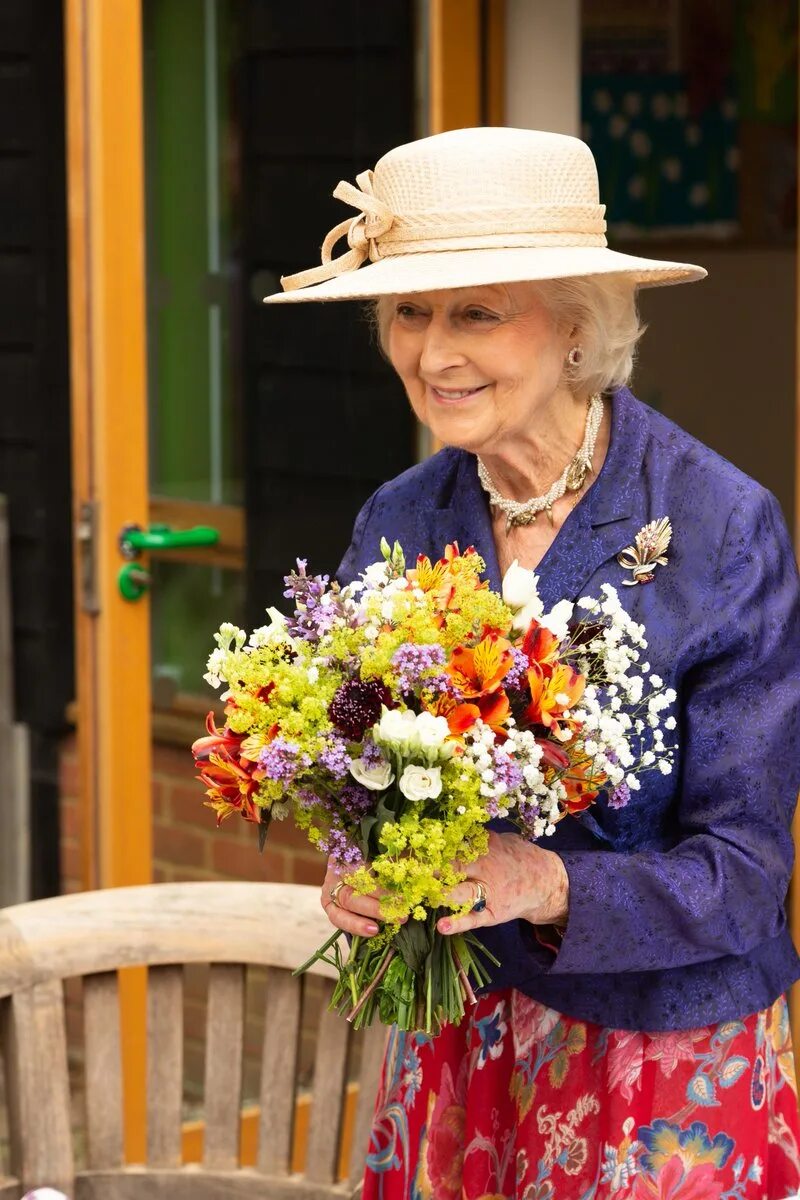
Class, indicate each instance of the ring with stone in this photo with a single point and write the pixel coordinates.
(479, 903)
(337, 887)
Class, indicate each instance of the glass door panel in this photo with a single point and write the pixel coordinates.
(194, 392)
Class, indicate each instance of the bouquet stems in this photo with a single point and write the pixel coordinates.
(410, 976)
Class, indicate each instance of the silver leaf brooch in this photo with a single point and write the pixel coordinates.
(648, 552)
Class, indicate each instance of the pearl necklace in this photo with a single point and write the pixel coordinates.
(572, 478)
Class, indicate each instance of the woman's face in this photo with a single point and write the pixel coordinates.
(477, 363)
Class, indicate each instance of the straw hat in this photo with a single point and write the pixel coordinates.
(469, 207)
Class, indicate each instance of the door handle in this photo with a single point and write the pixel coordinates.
(132, 580)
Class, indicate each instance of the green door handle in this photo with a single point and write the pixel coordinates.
(133, 540)
(132, 581)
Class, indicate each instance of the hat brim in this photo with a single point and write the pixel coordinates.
(434, 271)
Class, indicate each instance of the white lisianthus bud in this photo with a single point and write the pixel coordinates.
(421, 783)
(519, 586)
(376, 777)
(397, 728)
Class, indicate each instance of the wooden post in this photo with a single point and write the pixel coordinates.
(109, 461)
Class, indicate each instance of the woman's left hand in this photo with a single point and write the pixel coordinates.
(522, 880)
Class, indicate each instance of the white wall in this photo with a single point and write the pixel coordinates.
(543, 70)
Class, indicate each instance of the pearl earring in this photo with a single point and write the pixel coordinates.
(575, 356)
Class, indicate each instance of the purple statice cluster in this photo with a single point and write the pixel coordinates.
(372, 755)
(506, 772)
(283, 760)
(334, 757)
(312, 619)
(416, 666)
(528, 812)
(340, 849)
(519, 669)
(620, 795)
(356, 801)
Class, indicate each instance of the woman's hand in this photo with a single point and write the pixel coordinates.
(522, 880)
(354, 914)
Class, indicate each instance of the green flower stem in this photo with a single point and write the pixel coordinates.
(387, 958)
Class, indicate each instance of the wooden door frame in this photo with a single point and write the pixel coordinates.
(105, 206)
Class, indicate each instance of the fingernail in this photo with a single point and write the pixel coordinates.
(372, 929)
(443, 926)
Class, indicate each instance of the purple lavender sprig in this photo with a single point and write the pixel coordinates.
(312, 618)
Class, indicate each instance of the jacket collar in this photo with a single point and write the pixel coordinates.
(601, 524)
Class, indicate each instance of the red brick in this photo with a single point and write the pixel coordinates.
(239, 861)
(170, 763)
(68, 781)
(186, 806)
(286, 835)
(180, 846)
(71, 880)
(70, 819)
(307, 870)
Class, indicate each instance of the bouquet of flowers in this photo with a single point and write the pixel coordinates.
(393, 718)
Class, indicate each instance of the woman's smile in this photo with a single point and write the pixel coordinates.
(455, 395)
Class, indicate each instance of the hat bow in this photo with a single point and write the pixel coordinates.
(373, 220)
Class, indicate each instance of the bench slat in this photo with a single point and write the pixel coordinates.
(223, 1075)
(278, 1071)
(373, 1044)
(164, 1065)
(327, 1097)
(103, 1070)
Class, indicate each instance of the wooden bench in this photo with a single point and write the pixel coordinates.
(166, 926)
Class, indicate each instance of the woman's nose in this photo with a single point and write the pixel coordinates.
(440, 348)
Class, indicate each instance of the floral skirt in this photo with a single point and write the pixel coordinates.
(521, 1102)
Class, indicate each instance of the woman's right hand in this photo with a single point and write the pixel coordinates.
(354, 914)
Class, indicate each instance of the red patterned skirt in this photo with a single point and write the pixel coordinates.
(521, 1102)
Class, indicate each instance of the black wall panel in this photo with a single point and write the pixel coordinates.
(326, 90)
(34, 395)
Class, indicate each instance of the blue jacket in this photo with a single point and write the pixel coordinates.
(677, 901)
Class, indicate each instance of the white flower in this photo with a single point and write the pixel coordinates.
(377, 777)
(376, 574)
(312, 674)
(519, 586)
(665, 767)
(431, 732)
(557, 620)
(396, 728)
(421, 783)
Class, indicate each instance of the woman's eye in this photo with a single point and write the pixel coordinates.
(407, 311)
(478, 314)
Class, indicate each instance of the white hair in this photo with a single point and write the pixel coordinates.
(603, 310)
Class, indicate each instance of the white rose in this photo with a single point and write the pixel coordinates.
(376, 778)
(557, 620)
(519, 586)
(396, 728)
(421, 783)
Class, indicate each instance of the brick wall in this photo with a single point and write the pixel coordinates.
(186, 843)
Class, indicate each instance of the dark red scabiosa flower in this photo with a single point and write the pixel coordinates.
(357, 704)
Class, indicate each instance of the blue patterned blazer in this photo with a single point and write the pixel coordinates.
(677, 901)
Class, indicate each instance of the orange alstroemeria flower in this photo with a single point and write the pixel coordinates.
(230, 780)
(479, 671)
(581, 785)
(540, 645)
(553, 690)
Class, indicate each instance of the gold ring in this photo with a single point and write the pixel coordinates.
(334, 896)
(479, 903)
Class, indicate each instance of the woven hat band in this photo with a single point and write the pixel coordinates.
(376, 232)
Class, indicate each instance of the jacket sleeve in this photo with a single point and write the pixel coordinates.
(721, 889)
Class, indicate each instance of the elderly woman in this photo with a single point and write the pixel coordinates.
(635, 1040)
